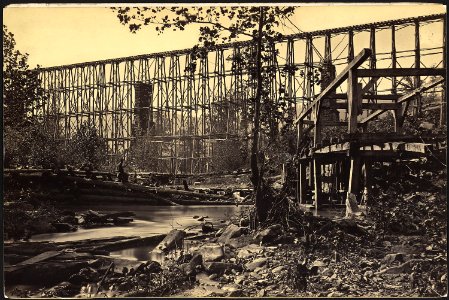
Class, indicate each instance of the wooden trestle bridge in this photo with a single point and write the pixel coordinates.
(187, 105)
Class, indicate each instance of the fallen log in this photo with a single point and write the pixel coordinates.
(117, 186)
(132, 242)
(203, 202)
(35, 248)
(107, 199)
(174, 239)
(111, 192)
(45, 272)
(38, 258)
(187, 193)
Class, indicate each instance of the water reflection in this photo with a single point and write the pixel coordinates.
(138, 253)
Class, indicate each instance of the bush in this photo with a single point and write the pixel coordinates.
(86, 147)
(32, 145)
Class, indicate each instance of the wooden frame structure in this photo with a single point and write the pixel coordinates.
(347, 154)
(188, 104)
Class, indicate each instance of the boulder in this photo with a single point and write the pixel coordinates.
(278, 269)
(197, 260)
(212, 252)
(219, 267)
(258, 262)
(174, 239)
(319, 263)
(207, 227)
(392, 257)
(232, 231)
(269, 235)
(153, 267)
(351, 227)
(240, 241)
(249, 251)
(64, 227)
(42, 226)
(237, 293)
(62, 290)
(188, 269)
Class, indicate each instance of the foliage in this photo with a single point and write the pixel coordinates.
(33, 145)
(225, 24)
(21, 87)
(143, 154)
(86, 147)
(229, 155)
(401, 209)
(27, 210)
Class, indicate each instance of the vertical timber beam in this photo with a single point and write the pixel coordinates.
(417, 79)
(397, 113)
(443, 96)
(317, 181)
(373, 59)
(355, 171)
(350, 46)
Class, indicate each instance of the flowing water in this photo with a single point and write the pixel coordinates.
(148, 221)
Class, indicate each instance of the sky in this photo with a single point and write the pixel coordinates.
(59, 35)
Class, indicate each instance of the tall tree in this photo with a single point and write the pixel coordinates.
(21, 86)
(258, 24)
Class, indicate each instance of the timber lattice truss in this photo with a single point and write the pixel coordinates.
(185, 112)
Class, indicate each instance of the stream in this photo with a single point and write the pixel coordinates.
(148, 221)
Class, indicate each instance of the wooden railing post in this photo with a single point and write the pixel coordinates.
(354, 102)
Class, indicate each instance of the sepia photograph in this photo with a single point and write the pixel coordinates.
(224, 150)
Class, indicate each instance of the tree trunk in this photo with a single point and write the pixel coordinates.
(255, 175)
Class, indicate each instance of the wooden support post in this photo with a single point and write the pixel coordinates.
(417, 81)
(350, 46)
(368, 180)
(373, 59)
(354, 101)
(317, 181)
(355, 176)
(398, 119)
(302, 182)
(317, 128)
(311, 173)
(393, 59)
(443, 94)
(337, 175)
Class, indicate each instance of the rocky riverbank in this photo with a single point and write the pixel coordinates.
(398, 248)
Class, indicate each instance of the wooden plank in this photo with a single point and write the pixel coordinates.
(365, 96)
(383, 106)
(401, 72)
(355, 63)
(417, 147)
(38, 258)
(308, 122)
(333, 148)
